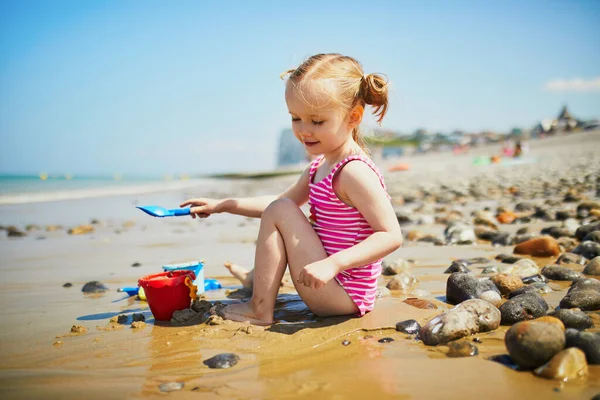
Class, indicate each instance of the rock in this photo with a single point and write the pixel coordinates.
(122, 319)
(491, 297)
(534, 279)
(557, 232)
(385, 340)
(506, 217)
(567, 244)
(410, 326)
(345, 343)
(136, 264)
(507, 283)
(394, 267)
(587, 300)
(12, 231)
(170, 386)
(552, 320)
(462, 349)
(475, 260)
(420, 303)
(592, 237)
(524, 207)
(53, 228)
(138, 317)
(94, 287)
(502, 239)
(67, 285)
(221, 361)
(565, 365)
(522, 268)
(81, 230)
(461, 286)
(573, 318)
(522, 290)
(584, 208)
(459, 233)
(593, 267)
(588, 342)
(563, 215)
(508, 258)
(585, 284)
(558, 273)
(584, 230)
(544, 246)
(382, 291)
(589, 250)
(523, 238)
(457, 266)
(523, 307)
(471, 316)
(542, 287)
(522, 231)
(490, 270)
(533, 343)
(401, 282)
(570, 258)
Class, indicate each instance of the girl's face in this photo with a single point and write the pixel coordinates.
(320, 124)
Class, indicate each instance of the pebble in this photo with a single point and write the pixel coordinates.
(138, 317)
(528, 280)
(565, 365)
(81, 230)
(402, 282)
(67, 285)
(122, 319)
(78, 329)
(522, 268)
(136, 264)
(410, 326)
(221, 361)
(420, 303)
(522, 308)
(345, 343)
(545, 246)
(491, 297)
(492, 269)
(573, 318)
(170, 387)
(593, 267)
(462, 349)
(592, 237)
(461, 286)
(557, 232)
(12, 231)
(394, 267)
(457, 266)
(570, 258)
(94, 287)
(457, 232)
(385, 340)
(469, 317)
(508, 258)
(507, 283)
(588, 342)
(382, 291)
(585, 284)
(567, 244)
(558, 273)
(587, 300)
(522, 290)
(533, 343)
(587, 249)
(475, 260)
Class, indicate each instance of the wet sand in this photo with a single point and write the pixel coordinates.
(299, 357)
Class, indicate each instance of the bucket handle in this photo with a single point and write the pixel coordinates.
(193, 288)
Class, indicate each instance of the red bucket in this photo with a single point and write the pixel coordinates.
(167, 292)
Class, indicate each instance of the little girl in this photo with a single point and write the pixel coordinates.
(334, 256)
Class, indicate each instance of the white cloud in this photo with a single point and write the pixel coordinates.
(574, 85)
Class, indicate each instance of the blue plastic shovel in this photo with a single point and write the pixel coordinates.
(157, 211)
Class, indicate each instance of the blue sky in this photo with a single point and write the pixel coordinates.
(157, 87)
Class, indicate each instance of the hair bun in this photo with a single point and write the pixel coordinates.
(374, 90)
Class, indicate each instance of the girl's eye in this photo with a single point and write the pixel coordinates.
(318, 122)
(295, 119)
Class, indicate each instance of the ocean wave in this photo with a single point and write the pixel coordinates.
(105, 191)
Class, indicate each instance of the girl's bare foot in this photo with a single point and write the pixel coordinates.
(244, 312)
(240, 273)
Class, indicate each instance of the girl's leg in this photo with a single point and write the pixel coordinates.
(287, 238)
(241, 273)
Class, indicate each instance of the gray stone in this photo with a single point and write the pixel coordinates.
(409, 326)
(571, 258)
(592, 237)
(522, 308)
(94, 287)
(587, 300)
(584, 230)
(588, 342)
(461, 286)
(593, 267)
(587, 249)
(573, 318)
(558, 273)
(221, 361)
(457, 266)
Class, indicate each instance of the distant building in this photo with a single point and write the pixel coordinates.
(291, 151)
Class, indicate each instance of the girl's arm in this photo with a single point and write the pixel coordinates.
(359, 185)
(248, 206)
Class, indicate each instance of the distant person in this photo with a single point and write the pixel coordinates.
(335, 255)
(518, 150)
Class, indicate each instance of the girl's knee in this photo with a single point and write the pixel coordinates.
(281, 207)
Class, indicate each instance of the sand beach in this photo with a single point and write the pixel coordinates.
(300, 356)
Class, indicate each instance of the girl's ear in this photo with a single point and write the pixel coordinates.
(356, 115)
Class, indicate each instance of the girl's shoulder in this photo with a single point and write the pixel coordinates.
(357, 168)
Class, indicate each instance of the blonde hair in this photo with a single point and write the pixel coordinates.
(353, 87)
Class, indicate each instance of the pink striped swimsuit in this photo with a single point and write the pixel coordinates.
(341, 226)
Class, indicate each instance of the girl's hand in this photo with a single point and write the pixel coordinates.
(202, 207)
(317, 274)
